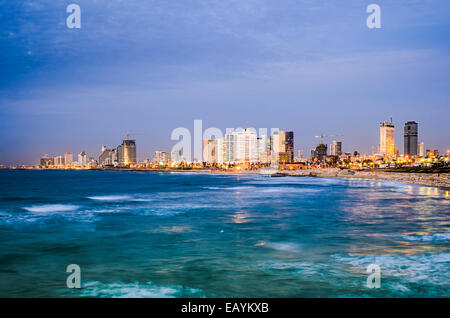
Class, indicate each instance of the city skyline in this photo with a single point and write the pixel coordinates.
(150, 67)
(333, 146)
(249, 146)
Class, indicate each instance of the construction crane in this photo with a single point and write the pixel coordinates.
(326, 136)
(128, 134)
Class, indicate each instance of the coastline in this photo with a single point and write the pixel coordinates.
(438, 180)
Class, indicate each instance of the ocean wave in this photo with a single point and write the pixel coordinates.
(281, 246)
(289, 190)
(438, 237)
(111, 198)
(302, 268)
(423, 268)
(136, 290)
(51, 208)
(240, 188)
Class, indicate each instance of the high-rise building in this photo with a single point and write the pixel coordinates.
(46, 162)
(68, 159)
(59, 161)
(336, 148)
(176, 155)
(410, 138)
(126, 152)
(321, 152)
(230, 147)
(286, 148)
(420, 149)
(282, 147)
(161, 157)
(221, 150)
(263, 149)
(108, 157)
(387, 138)
(210, 150)
(82, 159)
(246, 146)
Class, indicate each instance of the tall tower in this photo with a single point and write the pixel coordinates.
(286, 150)
(336, 148)
(420, 149)
(410, 138)
(126, 152)
(387, 130)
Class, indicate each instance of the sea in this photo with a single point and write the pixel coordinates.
(149, 234)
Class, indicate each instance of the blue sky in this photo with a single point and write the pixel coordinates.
(145, 66)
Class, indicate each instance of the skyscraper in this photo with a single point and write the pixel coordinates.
(286, 149)
(263, 149)
(210, 150)
(230, 141)
(59, 161)
(410, 138)
(321, 152)
(126, 152)
(282, 147)
(336, 148)
(161, 157)
(68, 159)
(246, 146)
(387, 138)
(82, 159)
(221, 150)
(107, 157)
(420, 149)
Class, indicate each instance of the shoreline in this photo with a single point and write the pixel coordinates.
(437, 180)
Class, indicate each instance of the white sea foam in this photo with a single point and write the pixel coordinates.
(51, 208)
(283, 246)
(136, 290)
(111, 198)
(428, 268)
(438, 237)
(289, 190)
(241, 188)
(303, 268)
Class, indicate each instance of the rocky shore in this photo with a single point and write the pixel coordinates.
(441, 180)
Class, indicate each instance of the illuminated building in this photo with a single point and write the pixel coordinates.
(420, 149)
(432, 153)
(321, 152)
(263, 149)
(108, 157)
(286, 148)
(221, 153)
(410, 138)
(282, 147)
(210, 150)
(387, 138)
(176, 156)
(230, 147)
(246, 146)
(68, 159)
(59, 161)
(46, 162)
(336, 148)
(126, 152)
(161, 157)
(82, 159)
